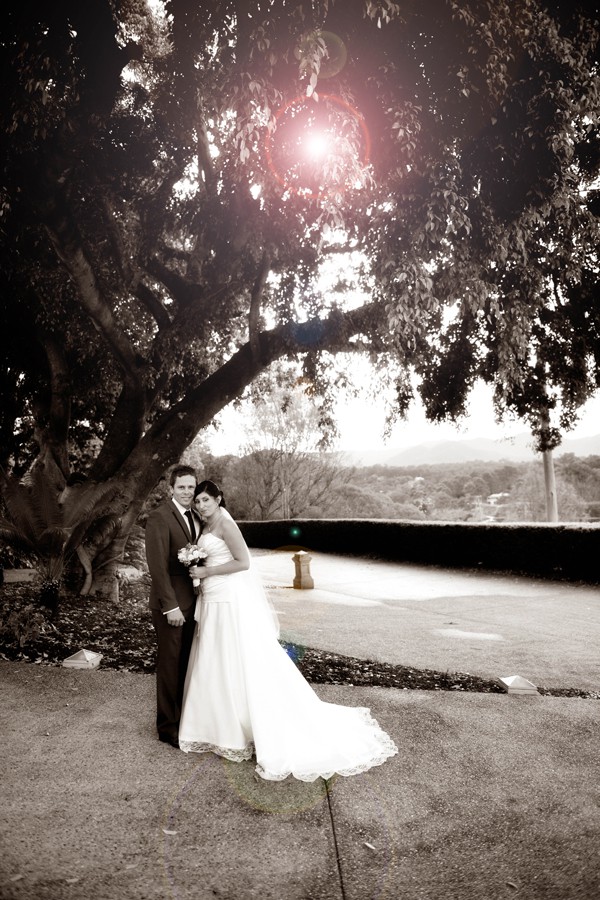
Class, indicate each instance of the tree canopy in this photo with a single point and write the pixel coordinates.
(175, 174)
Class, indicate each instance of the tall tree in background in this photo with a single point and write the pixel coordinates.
(174, 177)
(281, 474)
(525, 502)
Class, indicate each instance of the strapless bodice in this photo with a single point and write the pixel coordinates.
(216, 548)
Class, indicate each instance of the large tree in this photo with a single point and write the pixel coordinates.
(165, 215)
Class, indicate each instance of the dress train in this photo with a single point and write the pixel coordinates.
(245, 697)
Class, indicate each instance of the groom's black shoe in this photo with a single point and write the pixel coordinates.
(169, 739)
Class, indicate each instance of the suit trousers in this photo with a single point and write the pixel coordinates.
(174, 645)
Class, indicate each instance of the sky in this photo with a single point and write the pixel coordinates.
(362, 425)
(362, 421)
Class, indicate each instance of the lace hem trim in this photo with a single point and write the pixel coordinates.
(387, 748)
(232, 755)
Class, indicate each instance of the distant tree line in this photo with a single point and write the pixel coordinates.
(318, 486)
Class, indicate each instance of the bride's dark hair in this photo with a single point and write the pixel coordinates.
(210, 488)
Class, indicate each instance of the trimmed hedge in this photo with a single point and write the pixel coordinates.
(563, 552)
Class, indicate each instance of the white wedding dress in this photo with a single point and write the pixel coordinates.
(244, 696)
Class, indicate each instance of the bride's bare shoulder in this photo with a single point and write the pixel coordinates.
(227, 525)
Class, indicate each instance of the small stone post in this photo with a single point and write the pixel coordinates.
(303, 577)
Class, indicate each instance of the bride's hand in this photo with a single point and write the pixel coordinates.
(198, 572)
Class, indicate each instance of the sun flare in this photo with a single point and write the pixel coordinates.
(316, 145)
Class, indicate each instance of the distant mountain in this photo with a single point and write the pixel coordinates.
(517, 449)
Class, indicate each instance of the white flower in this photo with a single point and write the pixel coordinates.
(192, 555)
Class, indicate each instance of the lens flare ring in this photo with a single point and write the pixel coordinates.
(298, 103)
(285, 798)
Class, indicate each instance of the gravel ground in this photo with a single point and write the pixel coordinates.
(489, 797)
(500, 800)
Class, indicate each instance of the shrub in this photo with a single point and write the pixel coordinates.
(21, 624)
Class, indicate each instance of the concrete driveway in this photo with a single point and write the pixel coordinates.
(485, 624)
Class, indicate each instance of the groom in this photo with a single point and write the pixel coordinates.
(172, 598)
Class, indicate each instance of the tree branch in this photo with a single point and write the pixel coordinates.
(68, 245)
(126, 270)
(153, 305)
(255, 300)
(103, 59)
(86, 562)
(205, 163)
(180, 424)
(54, 412)
(178, 287)
(59, 418)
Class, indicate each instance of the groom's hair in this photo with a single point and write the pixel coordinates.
(179, 472)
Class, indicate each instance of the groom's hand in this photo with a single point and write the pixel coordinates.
(175, 617)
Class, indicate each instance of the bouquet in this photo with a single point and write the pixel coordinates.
(192, 555)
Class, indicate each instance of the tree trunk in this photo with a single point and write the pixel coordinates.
(133, 491)
(105, 582)
(549, 476)
(84, 559)
(550, 485)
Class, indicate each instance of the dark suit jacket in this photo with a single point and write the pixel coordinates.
(166, 533)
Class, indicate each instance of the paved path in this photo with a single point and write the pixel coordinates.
(490, 797)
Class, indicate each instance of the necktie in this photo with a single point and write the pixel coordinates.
(190, 518)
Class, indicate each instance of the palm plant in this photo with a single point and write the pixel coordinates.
(50, 525)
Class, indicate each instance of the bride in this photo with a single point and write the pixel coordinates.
(243, 695)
